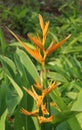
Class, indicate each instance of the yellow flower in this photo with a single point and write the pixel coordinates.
(44, 28)
(36, 41)
(37, 98)
(25, 112)
(40, 106)
(51, 87)
(44, 119)
(53, 46)
(40, 53)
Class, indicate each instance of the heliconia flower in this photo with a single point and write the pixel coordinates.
(44, 110)
(44, 28)
(40, 106)
(40, 53)
(35, 53)
(36, 41)
(51, 87)
(37, 98)
(25, 112)
(38, 85)
(44, 119)
(53, 46)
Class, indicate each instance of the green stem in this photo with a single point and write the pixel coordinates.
(44, 77)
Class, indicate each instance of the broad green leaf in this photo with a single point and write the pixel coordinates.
(74, 124)
(58, 100)
(71, 95)
(8, 65)
(63, 126)
(17, 88)
(14, 96)
(57, 77)
(77, 106)
(79, 118)
(2, 120)
(26, 66)
(73, 49)
(17, 44)
(63, 116)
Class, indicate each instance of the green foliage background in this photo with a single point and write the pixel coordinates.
(18, 69)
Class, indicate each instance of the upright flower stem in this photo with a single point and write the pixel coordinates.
(45, 85)
(44, 76)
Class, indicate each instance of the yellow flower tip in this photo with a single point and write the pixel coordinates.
(29, 92)
(42, 119)
(49, 89)
(38, 85)
(53, 46)
(41, 22)
(25, 112)
(68, 36)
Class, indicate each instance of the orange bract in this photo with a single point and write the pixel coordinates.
(39, 102)
(41, 22)
(25, 112)
(44, 119)
(39, 44)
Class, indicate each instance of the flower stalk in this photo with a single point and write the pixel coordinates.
(40, 54)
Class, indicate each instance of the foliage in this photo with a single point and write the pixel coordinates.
(64, 67)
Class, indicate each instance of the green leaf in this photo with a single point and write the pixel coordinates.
(72, 49)
(77, 106)
(58, 100)
(3, 42)
(2, 120)
(79, 118)
(26, 67)
(63, 116)
(3, 91)
(74, 124)
(17, 88)
(57, 77)
(8, 65)
(71, 95)
(14, 96)
(23, 122)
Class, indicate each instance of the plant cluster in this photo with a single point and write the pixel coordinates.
(41, 78)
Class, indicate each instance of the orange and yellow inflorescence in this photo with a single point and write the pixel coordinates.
(40, 105)
(40, 43)
(40, 54)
